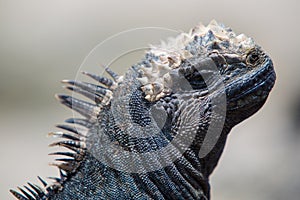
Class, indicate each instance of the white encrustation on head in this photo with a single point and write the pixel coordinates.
(156, 79)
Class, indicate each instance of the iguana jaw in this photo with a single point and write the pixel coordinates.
(247, 93)
(251, 100)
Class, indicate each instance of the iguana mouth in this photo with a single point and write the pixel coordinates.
(252, 87)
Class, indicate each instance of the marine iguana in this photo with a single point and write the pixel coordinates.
(143, 135)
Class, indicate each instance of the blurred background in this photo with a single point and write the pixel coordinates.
(43, 42)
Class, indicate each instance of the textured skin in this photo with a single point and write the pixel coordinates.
(247, 76)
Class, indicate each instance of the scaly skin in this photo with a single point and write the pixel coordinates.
(170, 99)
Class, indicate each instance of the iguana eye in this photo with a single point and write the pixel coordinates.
(252, 57)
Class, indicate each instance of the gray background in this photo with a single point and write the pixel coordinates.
(42, 42)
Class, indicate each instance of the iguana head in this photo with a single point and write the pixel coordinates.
(214, 59)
